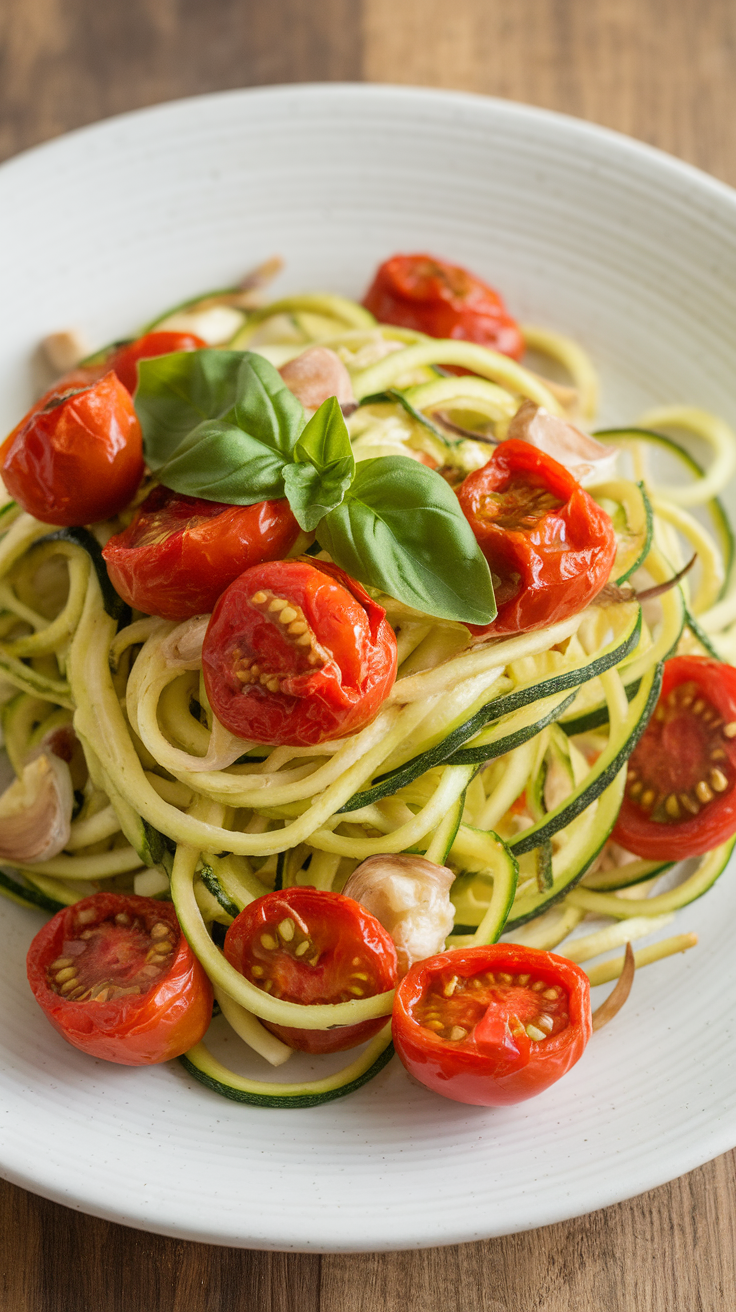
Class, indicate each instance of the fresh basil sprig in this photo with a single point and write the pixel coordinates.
(222, 425)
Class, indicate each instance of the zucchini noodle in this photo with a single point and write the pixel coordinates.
(457, 763)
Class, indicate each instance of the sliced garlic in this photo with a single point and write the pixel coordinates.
(317, 374)
(410, 897)
(587, 460)
(36, 811)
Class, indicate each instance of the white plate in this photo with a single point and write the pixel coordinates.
(583, 230)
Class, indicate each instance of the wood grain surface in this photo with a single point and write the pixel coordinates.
(662, 70)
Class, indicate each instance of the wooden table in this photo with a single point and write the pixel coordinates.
(662, 70)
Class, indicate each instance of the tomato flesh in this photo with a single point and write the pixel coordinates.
(442, 300)
(118, 980)
(179, 553)
(313, 947)
(125, 359)
(492, 1025)
(680, 797)
(297, 653)
(79, 457)
(550, 547)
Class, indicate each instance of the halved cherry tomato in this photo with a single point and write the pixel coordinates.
(179, 553)
(680, 797)
(79, 458)
(307, 946)
(442, 300)
(296, 653)
(549, 546)
(492, 1025)
(118, 980)
(125, 359)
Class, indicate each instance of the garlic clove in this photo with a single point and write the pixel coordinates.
(36, 811)
(410, 897)
(587, 460)
(317, 374)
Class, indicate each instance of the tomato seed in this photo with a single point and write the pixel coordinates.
(286, 929)
(268, 942)
(302, 948)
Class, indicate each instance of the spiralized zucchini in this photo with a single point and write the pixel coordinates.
(457, 762)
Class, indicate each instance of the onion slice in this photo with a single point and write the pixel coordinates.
(617, 997)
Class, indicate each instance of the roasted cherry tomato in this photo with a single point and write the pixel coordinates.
(118, 980)
(296, 653)
(180, 553)
(79, 458)
(306, 946)
(442, 300)
(680, 797)
(125, 359)
(549, 546)
(492, 1025)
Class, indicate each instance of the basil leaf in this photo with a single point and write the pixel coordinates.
(179, 393)
(325, 465)
(400, 528)
(325, 438)
(220, 462)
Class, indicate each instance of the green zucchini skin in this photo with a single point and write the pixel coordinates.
(289, 1100)
(692, 624)
(213, 885)
(448, 751)
(597, 718)
(715, 505)
(28, 897)
(114, 605)
(531, 838)
(481, 755)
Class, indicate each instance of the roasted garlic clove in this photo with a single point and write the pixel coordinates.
(36, 811)
(410, 896)
(317, 374)
(587, 460)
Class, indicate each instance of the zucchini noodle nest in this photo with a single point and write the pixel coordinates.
(503, 758)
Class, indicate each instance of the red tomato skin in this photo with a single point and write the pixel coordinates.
(79, 459)
(311, 705)
(562, 563)
(695, 835)
(465, 1075)
(125, 359)
(130, 1031)
(442, 300)
(179, 553)
(351, 926)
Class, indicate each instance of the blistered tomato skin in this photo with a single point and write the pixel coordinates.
(443, 300)
(79, 459)
(549, 546)
(98, 946)
(297, 653)
(491, 1061)
(125, 359)
(179, 553)
(312, 947)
